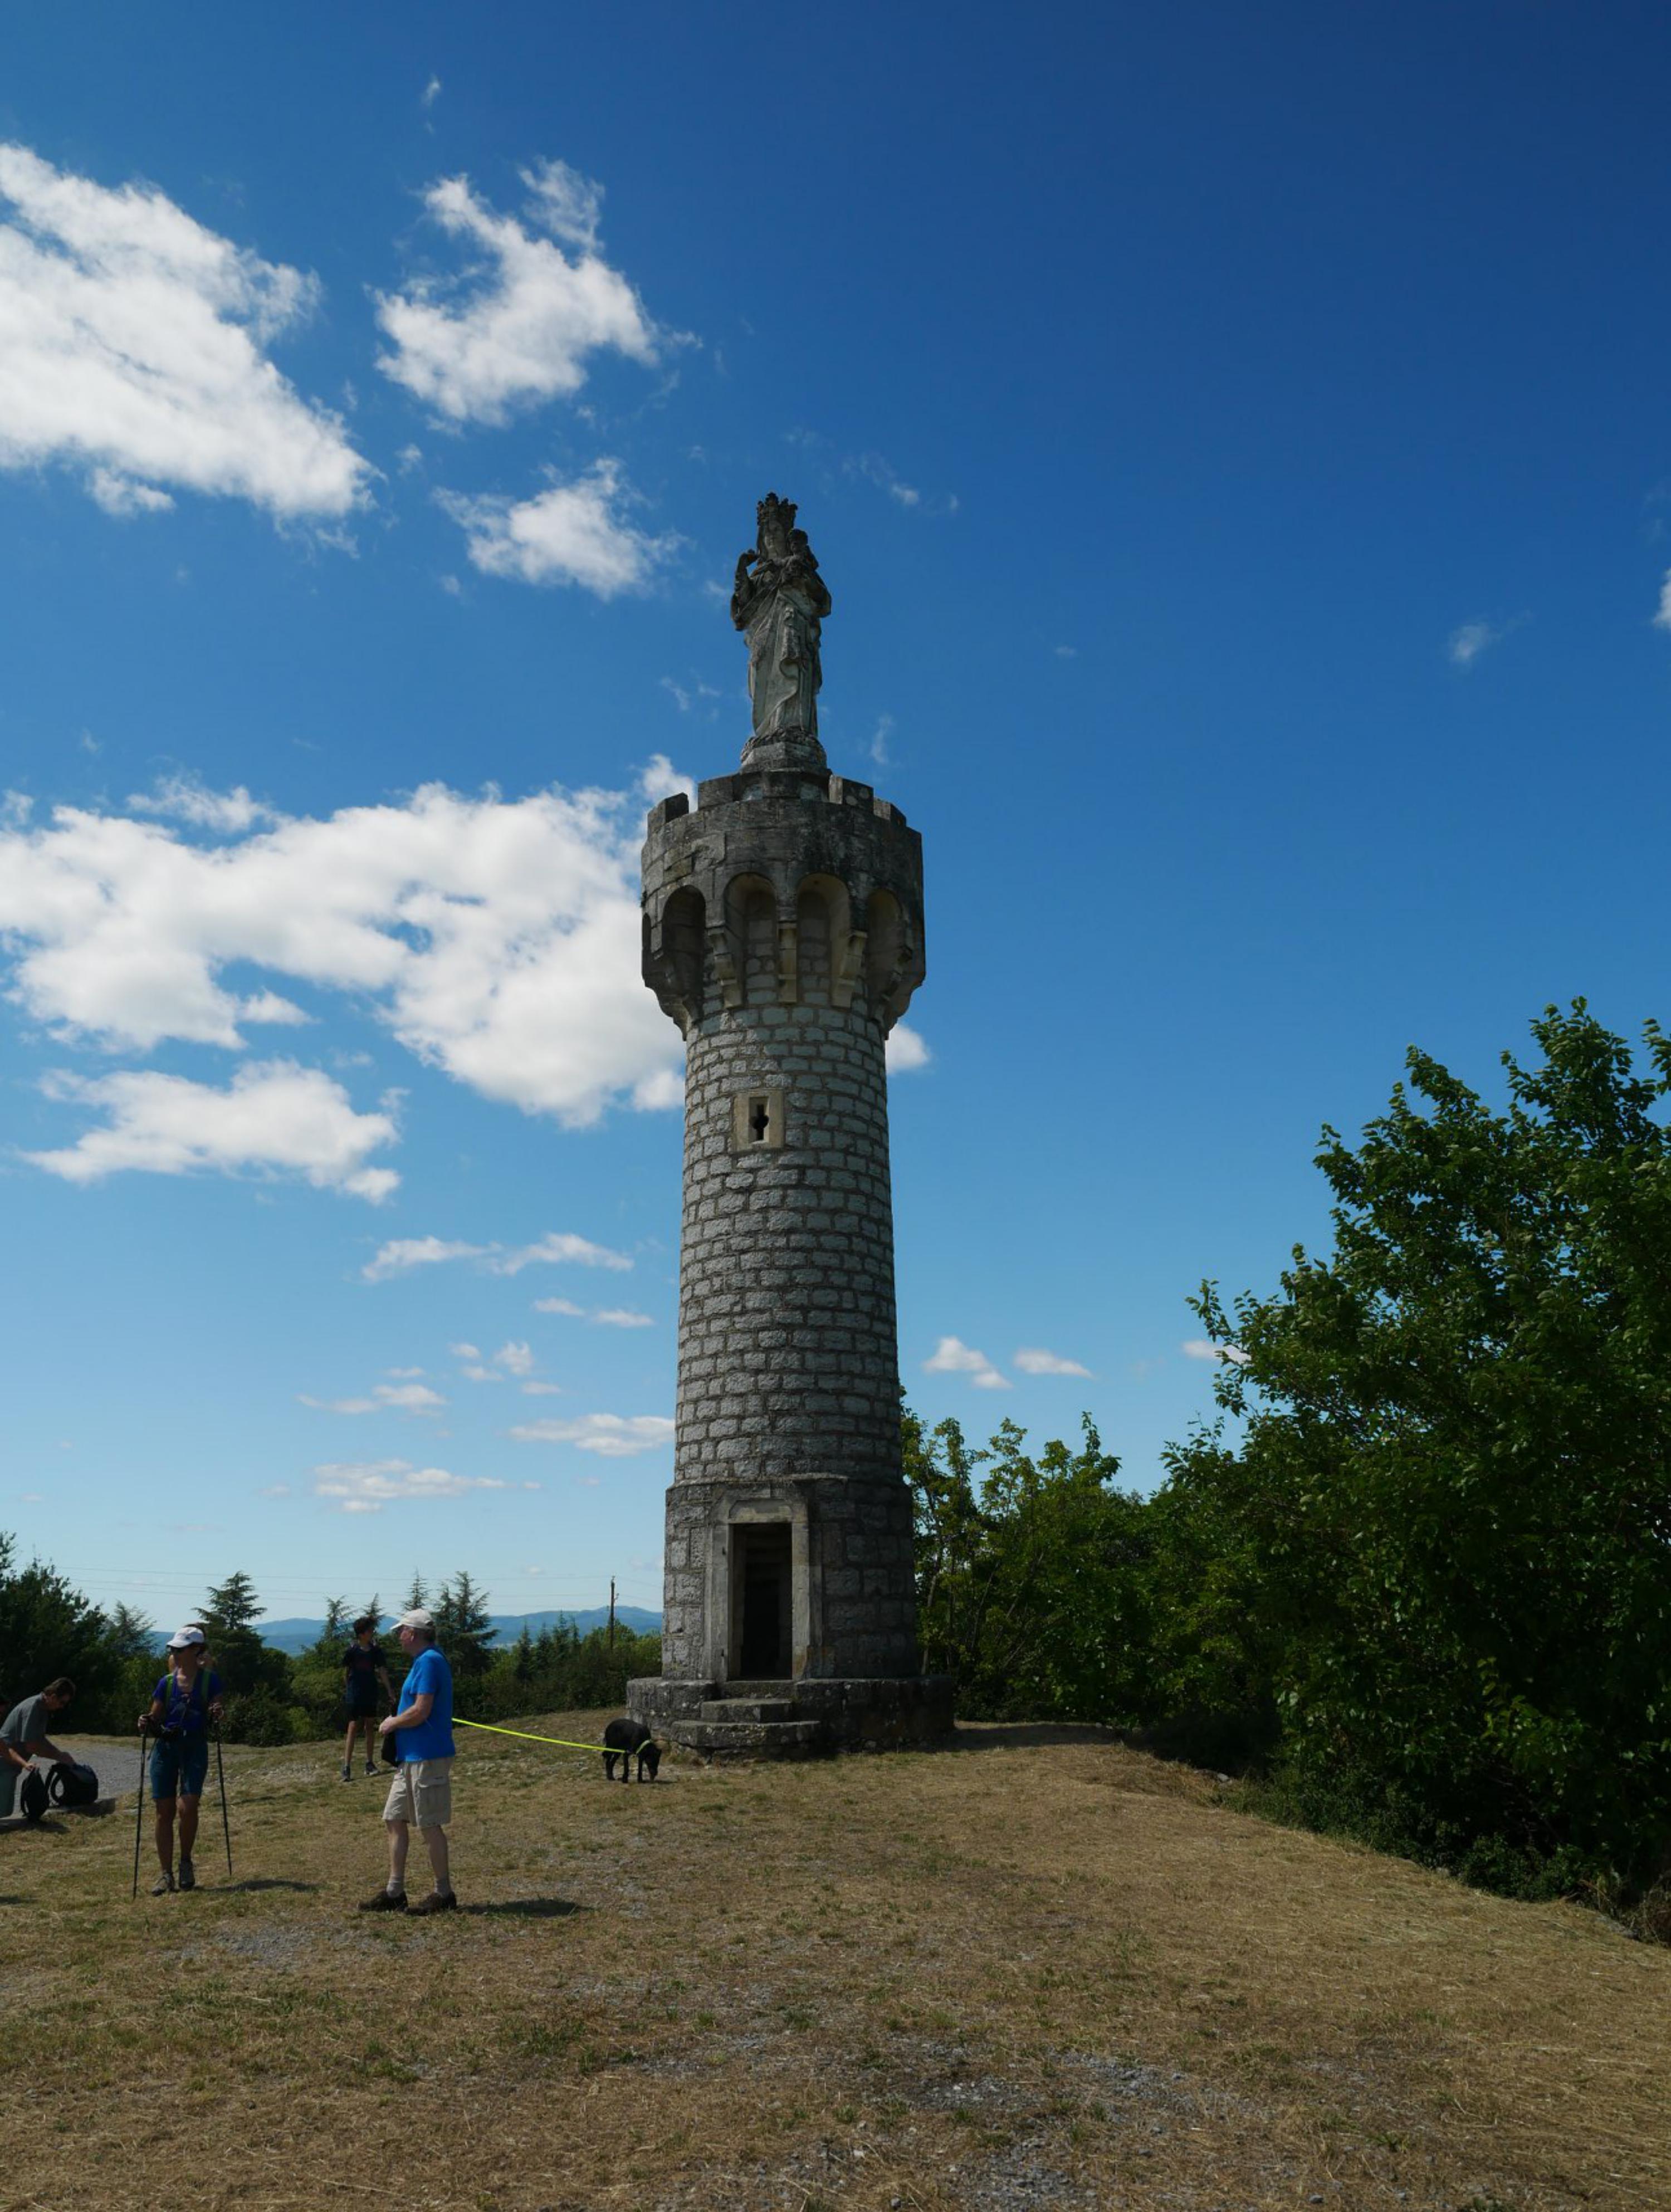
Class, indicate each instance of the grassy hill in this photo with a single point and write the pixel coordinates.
(1037, 1970)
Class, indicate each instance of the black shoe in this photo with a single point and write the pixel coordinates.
(382, 1902)
(436, 1903)
(188, 1877)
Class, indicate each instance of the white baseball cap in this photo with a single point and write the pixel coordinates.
(419, 1617)
(184, 1639)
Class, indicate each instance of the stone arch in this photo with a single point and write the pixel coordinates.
(750, 931)
(887, 954)
(822, 926)
(681, 952)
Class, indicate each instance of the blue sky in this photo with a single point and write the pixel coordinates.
(1239, 447)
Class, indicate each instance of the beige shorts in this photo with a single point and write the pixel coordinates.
(422, 1794)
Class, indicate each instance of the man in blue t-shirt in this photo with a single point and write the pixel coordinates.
(182, 1705)
(420, 1731)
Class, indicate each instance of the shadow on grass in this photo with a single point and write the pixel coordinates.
(264, 1882)
(1009, 1735)
(46, 1826)
(528, 1908)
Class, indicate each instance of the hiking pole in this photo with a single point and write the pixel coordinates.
(139, 1809)
(219, 1769)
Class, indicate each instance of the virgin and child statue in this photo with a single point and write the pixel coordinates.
(780, 602)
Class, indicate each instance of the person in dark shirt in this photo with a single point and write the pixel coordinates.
(363, 1668)
(183, 1704)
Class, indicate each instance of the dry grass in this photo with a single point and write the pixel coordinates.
(1039, 1970)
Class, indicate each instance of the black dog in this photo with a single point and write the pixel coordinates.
(622, 1739)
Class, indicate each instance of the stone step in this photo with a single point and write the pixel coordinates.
(775, 1688)
(749, 1709)
(749, 1739)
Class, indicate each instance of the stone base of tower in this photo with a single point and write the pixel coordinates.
(793, 1719)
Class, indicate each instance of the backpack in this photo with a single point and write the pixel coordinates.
(32, 1795)
(73, 1784)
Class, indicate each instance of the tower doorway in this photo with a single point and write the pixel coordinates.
(762, 1608)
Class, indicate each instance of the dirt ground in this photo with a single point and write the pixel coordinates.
(1034, 1970)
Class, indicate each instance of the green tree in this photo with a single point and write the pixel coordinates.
(47, 1627)
(418, 1595)
(1031, 1585)
(255, 1676)
(1439, 1550)
(463, 1629)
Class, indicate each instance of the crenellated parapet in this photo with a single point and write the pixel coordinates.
(782, 887)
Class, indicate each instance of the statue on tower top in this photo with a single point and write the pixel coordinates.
(779, 601)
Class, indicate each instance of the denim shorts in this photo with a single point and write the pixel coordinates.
(179, 1767)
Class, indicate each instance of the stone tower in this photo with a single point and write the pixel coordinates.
(783, 933)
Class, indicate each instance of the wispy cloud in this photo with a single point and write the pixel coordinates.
(950, 1356)
(611, 1436)
(622, 1317)
(1470, 639)
(136, 354)
(368, 1486)
(384, 1398)
(1035, 1361)
(1199, 1347)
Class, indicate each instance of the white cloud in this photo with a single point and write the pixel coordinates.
(557, 1248)
(557, 1306)
(1662, 618)
(402, 1373)
(905, 1050)
(132, 349)
(611, 1436)
(431, 92)
(514, 1358)
(1198, 1347)
(402, 1254)
(386, 1398)
(368, 1486)
(518, 327)
(876, 470)
(498, 939)
(541, 1390)
(1471, 639)
(879, 744)
(1038, 1361)
(275, 1118)
(482, 1375)
(622, 1317)
(570, 533)
(465, 1350)
(950, 1356)
(228, 813)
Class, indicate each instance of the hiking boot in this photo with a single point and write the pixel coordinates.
(188, 1874)
(383, 1902)
(436, 1903)
(348, 1771)
(164, 1884)
(371, 1768)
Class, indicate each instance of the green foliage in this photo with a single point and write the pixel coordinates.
(1433, 1576)
(48, 1628)
(255, 1676)
(462, 1627)
(1031, 1585)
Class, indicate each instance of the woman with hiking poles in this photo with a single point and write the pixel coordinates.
(184, 1703)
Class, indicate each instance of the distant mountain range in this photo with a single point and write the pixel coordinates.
(294, 1636)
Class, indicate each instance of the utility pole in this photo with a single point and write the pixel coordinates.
(611, 1612)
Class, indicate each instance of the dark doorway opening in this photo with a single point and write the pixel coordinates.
(760, 1556)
